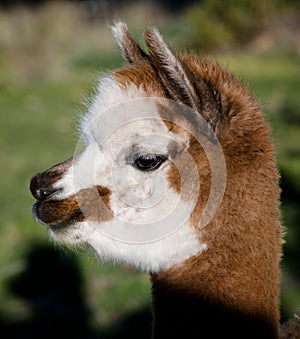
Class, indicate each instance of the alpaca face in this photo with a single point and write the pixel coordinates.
(116, 195)
(131, 192)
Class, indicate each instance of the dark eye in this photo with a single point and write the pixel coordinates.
(149, 162)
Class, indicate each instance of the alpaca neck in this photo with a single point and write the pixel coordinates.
(199, 300)
(231, 289)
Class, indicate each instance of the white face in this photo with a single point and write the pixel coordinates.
(127, 159)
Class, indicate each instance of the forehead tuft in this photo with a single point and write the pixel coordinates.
(115, 92)
(122, 85)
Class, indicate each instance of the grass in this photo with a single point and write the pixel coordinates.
(38, 104)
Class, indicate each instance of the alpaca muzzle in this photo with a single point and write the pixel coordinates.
(48, 208)
(55, 210)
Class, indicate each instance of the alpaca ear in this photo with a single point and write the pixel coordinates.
(130, 50)
(181, 84)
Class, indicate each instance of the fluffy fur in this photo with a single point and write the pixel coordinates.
(205, 223)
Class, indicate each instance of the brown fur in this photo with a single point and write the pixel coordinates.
(237, 277)
(240, 269)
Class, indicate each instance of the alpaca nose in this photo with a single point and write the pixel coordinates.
(42, 186)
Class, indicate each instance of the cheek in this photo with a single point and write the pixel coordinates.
(144, 200)
(139, 189)
(103, 175)
(145, 224)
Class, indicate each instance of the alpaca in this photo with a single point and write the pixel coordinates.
(178, 178)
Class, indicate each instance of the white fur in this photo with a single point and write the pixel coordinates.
(149, 257)
(150, 228)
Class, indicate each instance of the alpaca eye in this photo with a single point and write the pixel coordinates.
(149, 162)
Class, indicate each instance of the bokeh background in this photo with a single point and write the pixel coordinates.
(51, 53)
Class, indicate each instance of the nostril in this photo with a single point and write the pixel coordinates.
(42, 184)
(43, 193)
(38, 188)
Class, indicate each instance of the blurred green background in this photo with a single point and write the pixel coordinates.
(50, 55)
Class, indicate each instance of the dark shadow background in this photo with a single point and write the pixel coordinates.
(54, 291)
(291, 250)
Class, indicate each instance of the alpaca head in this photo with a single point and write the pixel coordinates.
(152, 174)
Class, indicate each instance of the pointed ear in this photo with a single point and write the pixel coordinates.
(130, 50)
(182, 85)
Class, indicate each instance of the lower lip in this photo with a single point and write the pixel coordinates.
(34, 214)
(54, 227)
